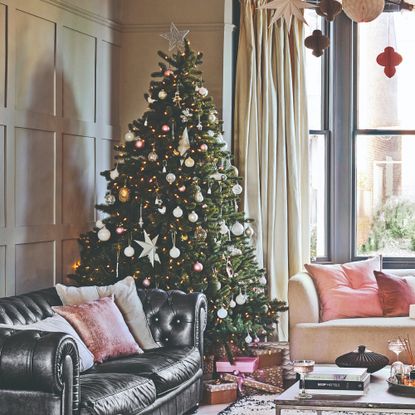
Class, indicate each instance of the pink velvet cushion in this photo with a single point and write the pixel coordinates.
(347, 291)
(395, 295)
(101, 326)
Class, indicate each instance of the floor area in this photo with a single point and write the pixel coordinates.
(211, 409)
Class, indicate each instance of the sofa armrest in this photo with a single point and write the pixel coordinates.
(40, 361)
(303, 300)
(175, 318)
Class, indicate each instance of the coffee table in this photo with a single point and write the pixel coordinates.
(378, 400)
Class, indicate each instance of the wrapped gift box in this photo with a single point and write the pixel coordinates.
(268, 357)
(272, 376)
(253, 384)
(216, 393)
(241, 364)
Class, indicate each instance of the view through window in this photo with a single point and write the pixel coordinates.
(385, 140)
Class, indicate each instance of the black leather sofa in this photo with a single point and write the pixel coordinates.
(39, 371)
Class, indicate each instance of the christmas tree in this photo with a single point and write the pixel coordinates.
(172, 210)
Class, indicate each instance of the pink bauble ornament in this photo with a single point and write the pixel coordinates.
(146, 282)
(182, 188)
(140, 143)
(168, 72)
(197, 267)
(120, 230)
(203, 147)
(165, 128)
(363, 10)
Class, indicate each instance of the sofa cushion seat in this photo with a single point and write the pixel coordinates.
(167, 367)
(115, 393)
(324, 342)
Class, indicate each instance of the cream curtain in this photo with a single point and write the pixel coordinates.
(271, 143)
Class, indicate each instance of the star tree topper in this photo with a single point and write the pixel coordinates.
(175, 36)
(286, 9)
(149, 248)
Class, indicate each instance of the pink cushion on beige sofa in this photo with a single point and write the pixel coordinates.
(348, 290)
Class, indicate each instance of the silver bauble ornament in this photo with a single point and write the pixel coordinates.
(129, 251)
(249, 231)
(110, 198)
(237, 189)
(162, 94)
(223, 230)
(104, 234)
(114, 174)
(193, 217)
(248, 339)
(237, 229)
(240, 299)
(222, 313)
(174, 252)
(263, 281)
(170, 177)
(129, 136)
(199, 197)
(232, 303)
(189, 162)
(152, 156)
(212, 118)
(177, 212)
(99, 224)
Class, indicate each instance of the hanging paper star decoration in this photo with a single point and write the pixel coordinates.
(149, 248)
(286, 9)
(175, 36)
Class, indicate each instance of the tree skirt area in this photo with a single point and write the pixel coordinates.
(255, 405)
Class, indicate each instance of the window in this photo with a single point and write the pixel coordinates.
(316, 77)
(384, 141)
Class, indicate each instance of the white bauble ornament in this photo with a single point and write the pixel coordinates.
(193, 217)
(189, 162)
(222, 313)
(152, 156)
(237, 229)
(174, 252)
(203, 91)
(162, 94)
(237, 189)
(170, 177)
(110, 199)
(211, 133)
(212, 118)
(99, 224)
(129, 136)
(248, 339)
(199, 197)
(240, 299)
(232, 303)
(129, 251)
(235, 169)
(177, 212)
(114, 174)
(223, 228)
(249, 231)
(363, 10)
(104, 234)
(263, 281)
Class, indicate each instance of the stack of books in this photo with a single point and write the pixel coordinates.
(337, 381)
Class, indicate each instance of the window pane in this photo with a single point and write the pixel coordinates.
(313, 74)
(385, 195)
(386, 102)
(318, 195)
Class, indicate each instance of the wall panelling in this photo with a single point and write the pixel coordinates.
(3, 58)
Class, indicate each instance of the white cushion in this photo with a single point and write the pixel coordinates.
(57, 324)
(127, 300)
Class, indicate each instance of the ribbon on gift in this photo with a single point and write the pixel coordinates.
(240, 379)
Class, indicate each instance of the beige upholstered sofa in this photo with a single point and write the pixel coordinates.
(325, 341)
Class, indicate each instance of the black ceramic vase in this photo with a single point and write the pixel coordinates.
(363, 358)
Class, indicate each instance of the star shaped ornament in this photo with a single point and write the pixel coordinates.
(286, 9)
(175, 36)
(149, 248)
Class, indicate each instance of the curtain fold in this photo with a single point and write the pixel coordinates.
(271, 143)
